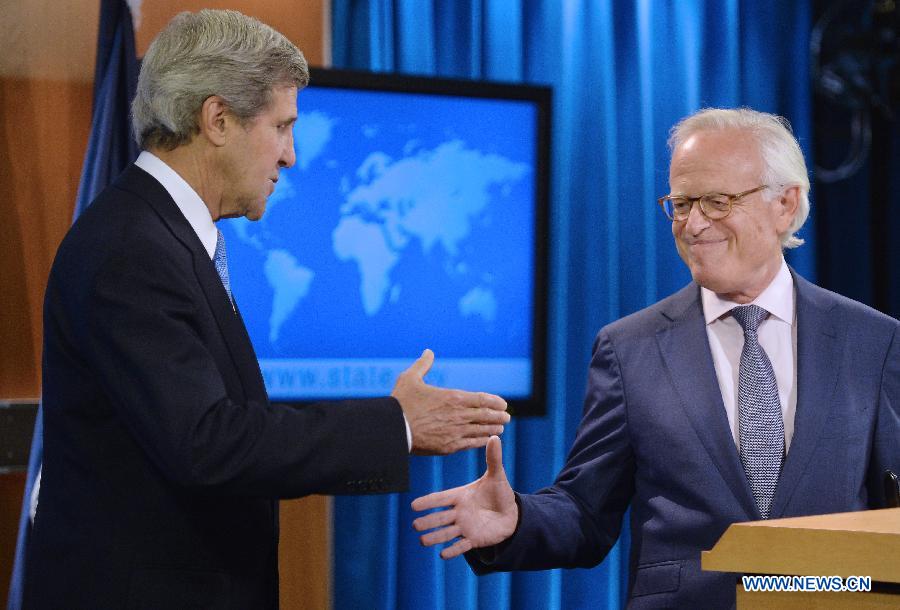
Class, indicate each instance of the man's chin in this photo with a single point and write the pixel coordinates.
(255, 215)
(714, 282)
(701, 275)
(256, 211)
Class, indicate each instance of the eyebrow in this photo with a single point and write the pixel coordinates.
(686, 196)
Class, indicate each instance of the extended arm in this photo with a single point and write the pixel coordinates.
(138, 338)
(572, 523)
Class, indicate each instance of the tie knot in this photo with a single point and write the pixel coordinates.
(749, 316)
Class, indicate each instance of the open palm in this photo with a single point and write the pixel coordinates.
(480, 514)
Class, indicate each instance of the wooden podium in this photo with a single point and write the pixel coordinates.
(864, 543)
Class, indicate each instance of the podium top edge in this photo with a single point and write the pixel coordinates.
(880, 521)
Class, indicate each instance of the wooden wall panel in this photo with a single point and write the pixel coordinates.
(47, 55)
(44, 129)
(302, 21)
(49, 39)
(304, 555)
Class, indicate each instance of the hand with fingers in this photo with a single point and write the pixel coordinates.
(445, 421)
(480, 514)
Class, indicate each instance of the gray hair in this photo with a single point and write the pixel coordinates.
(211, 52)
(783, 159)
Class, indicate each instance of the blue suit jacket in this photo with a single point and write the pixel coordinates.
(163, 458)
(655, 435)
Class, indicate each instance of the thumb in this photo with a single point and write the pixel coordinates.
(421, 366)
(494, 456)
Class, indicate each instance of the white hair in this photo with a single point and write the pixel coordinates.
(210, 52)
(783, 159)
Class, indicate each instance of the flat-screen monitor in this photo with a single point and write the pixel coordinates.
(415, 217)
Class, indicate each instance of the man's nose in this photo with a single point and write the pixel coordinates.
(696, 220)
(288, 155)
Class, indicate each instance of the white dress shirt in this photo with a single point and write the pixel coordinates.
(777, 336)
(186, 198)
(197, 214)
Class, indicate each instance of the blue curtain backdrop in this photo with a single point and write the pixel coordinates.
(622, 72)
(110, 149)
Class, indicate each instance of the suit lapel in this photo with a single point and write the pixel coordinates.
(817, 361)
(228, 320)
(686, 355)
(248, 364)
(230, 323)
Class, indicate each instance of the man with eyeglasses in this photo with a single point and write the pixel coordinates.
(749, 394)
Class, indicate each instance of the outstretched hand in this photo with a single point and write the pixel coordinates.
(445, 421)
(482, 513)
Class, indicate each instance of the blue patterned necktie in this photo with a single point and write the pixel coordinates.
(761, 427)
(221, 262)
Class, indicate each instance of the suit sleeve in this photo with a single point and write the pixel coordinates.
(576, 521)
(886, 448)
(154, 362)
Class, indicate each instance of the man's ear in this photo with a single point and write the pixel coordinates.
(788, 205)
(214, 120)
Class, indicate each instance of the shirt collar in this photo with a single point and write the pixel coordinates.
(186, 198)
(777, 299)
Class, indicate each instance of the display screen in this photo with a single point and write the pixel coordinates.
(414, 217)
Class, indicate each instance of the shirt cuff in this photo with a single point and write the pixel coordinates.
(408, 434)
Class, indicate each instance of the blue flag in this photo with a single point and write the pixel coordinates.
(110, 150)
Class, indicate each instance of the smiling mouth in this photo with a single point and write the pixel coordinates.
(700, 244)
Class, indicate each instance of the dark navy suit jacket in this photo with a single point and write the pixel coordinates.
(163, 458)
(655, 436)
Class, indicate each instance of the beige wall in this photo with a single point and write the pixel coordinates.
(47, 55)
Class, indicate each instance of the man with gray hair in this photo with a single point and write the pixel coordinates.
(163, 458)
(749, 394)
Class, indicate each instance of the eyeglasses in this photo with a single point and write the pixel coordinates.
(714, 206)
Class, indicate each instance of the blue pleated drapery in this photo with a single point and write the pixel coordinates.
(622, 72)
(110, 149)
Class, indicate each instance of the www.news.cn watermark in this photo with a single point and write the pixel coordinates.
(807, 583)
